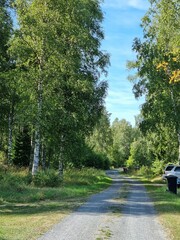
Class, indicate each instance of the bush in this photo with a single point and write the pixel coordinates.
(12, 182)
(97, 160)
(2, 156)
(145, 171)
(48, 178)
(157, 167)
(130, 163)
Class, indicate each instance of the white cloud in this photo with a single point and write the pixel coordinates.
(138, 4)
(123, 98)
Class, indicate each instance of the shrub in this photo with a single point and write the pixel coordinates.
(130, 162)
(157, 167)
(2, 156)
(12, 182)
(48, 178)
(97, 160)
(145, 171)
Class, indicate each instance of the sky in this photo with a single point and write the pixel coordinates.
(122, 19)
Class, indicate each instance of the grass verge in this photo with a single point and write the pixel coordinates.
(27, 211)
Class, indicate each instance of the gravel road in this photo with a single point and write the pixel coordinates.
(97, 220)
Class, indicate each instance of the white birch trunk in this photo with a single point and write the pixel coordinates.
(37, 132)
(36, 153)
(37, 140)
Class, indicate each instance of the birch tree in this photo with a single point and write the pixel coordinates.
(57, 49)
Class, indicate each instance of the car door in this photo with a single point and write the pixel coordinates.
(177, 171)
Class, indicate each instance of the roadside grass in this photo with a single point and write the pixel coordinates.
(27, 211)
(166, 204)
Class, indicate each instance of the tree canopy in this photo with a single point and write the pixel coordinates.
(157, 67)
(58, 61)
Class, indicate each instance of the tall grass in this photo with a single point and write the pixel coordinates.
(26, 207)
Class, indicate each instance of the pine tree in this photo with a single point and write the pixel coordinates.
(22, 149)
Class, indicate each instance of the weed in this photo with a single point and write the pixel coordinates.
(105, 234)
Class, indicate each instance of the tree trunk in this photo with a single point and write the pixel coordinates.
(61, 169)
(37, 140)
(36, 153)
(31, 154)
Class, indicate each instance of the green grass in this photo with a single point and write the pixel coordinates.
(166, 204)
(26, 209)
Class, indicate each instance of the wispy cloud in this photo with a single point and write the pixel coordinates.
(123, 98)
(138, 4)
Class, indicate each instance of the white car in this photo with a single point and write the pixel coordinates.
(167, 170)
(175, 172)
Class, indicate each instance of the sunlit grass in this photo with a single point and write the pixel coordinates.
(27, 211)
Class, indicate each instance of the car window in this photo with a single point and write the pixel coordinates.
(177, 169)
(169, 168)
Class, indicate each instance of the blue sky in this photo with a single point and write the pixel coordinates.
(121, 25)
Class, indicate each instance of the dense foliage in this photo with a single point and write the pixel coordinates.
(52, 107)
(50, 67)
(157, 65)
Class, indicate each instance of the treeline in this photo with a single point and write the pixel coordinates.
(131, 147)
(51, 95)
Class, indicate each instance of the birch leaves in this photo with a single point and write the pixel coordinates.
(57, 51)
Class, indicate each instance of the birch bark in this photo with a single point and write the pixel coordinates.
(37, 140)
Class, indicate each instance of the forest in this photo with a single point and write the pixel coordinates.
(52, 108)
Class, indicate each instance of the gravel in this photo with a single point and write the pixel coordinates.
(95, 219)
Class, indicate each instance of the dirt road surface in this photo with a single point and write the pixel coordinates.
(104, 217)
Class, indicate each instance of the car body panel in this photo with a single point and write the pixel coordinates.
(175, 171)
(167, 170)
